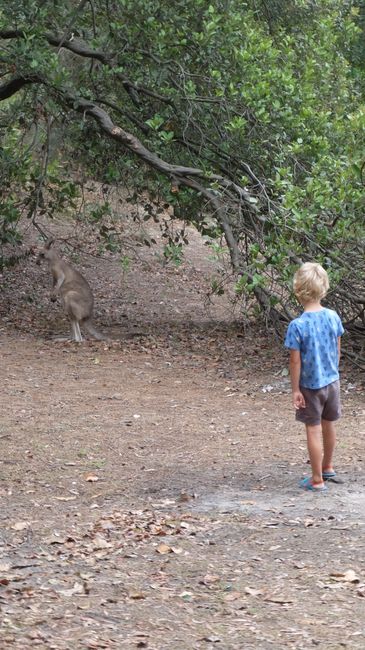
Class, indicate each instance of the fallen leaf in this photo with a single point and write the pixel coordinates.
(176, 550)
(209, 579)
(100, 543)
(309, 522)
(65, 498)
(76, 589)
(184, 496)
(136, 595)
(91, 478)
(280, 600)
(163, 549)
(186, 595)
(54, 539)
(20, 525)
(253, 592)
(347, 576)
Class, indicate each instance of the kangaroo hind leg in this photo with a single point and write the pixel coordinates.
(75, 331)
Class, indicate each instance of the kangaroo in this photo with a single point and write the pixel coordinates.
(76, 295)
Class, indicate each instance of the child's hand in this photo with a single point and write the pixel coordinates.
(298, 400)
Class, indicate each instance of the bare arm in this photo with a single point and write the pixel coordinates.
(295, 366)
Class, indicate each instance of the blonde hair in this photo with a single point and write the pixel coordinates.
(310, 282)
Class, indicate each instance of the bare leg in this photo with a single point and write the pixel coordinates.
(329, 442)
(314, 443)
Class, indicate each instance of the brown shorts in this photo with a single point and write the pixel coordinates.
(320, 404)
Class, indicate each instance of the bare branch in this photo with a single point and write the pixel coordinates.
(10, 88)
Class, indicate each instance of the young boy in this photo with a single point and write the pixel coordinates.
(314, 343)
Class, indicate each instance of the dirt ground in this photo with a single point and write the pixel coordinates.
(149, 484)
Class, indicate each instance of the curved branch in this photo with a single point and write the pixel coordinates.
(79, 47)
(135, 145)
(7, 34)
(15, 84)
(127, 139)
(144, 128)
(132, 143)
(183, 174)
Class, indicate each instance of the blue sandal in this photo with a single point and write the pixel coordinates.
(332, 476)
(328, 475)
(306, 484)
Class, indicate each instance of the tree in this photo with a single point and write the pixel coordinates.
(251, 113)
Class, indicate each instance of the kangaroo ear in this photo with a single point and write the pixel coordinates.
(48, 244)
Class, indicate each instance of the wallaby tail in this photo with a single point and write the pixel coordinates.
(91, 329)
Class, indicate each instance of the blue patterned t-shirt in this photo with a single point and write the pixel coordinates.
(315, 335)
